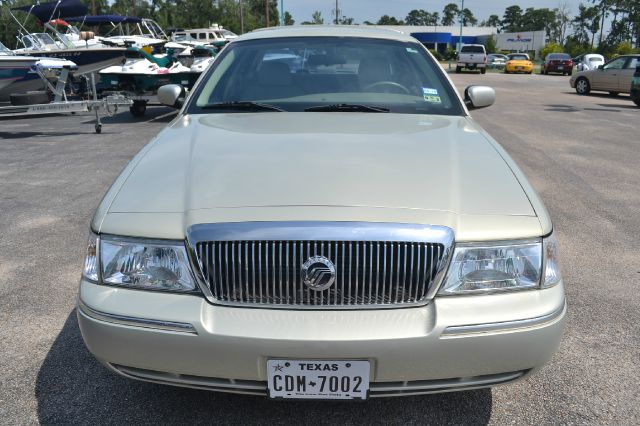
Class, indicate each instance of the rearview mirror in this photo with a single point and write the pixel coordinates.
(479, 97)
(171, 95)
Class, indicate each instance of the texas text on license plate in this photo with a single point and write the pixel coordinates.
(310, 379)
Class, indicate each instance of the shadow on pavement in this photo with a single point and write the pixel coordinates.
(32, 134)
(73, 388)
(630, 106)
(153, 113)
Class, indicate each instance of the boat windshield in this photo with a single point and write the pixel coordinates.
(5, 51)
(153, 28)
(39, 41)
(184, 37)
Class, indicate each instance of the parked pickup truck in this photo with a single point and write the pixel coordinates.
(472, 57)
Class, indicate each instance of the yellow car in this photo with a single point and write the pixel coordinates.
(518, 62)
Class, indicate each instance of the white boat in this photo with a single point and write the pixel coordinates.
(125, 31)
(90, 55)
(13, 68)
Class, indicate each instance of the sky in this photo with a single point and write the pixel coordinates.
(372, 10)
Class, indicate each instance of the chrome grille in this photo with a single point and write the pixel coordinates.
(367, 272)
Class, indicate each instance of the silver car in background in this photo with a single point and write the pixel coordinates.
(341, 229)
(614, 77)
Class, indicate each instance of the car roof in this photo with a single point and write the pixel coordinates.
(327, 31)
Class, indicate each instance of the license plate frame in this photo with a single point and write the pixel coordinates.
(318, 379)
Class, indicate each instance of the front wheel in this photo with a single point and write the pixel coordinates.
(138, 108)
(582, 86)
(614, 93)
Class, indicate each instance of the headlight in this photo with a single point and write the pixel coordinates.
(503, 266)
(90, 271)
(551, 275)
(138, 263)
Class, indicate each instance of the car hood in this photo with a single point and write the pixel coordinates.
(314, 161)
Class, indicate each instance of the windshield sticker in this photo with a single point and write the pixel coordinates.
(411, 50)
(431, 95)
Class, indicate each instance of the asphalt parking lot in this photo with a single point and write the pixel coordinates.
(580, 153)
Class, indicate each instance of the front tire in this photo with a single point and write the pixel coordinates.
(138, 108)
(583, 87)
(614, 93)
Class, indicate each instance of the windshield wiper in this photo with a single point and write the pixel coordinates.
(243, 106)
(346, 108)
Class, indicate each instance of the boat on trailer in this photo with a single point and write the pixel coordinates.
(90, 56)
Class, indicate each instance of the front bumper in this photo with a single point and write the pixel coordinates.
(453, 343)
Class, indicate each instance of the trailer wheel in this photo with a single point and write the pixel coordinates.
(138, 108)
(30, 98)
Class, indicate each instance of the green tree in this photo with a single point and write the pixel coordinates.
(512, 19)
(490, 45)
(449, 14)
(345, 21)
(468, 19)
(421, 17)
(551, 48)
(584, 23)
(288, 19)
(492, 21)
(561, 22)
(316, 18)
(389, 20)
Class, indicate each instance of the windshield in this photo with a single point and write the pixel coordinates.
(297, 74)
(472, 49)
(558, 56)
(520, 57)
(183, 37)
(4, 50)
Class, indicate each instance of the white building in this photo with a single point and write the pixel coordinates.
(442, 38)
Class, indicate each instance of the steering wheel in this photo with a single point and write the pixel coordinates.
(388, 83)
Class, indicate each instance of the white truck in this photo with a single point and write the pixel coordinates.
(472, 57)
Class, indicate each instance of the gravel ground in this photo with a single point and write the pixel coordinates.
(580, 153)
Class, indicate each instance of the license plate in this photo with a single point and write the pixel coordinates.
(518, 68)
(560, 68)
(310, 379)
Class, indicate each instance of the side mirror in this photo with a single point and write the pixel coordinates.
(171, 95)
(479, 97)
(600, 67)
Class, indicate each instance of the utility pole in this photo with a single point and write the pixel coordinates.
(266, 11)
(337, 13)
(281, 12)
(461, 21)
(93, 7)
(241, 18)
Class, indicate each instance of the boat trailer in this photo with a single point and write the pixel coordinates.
(105, 106)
